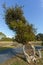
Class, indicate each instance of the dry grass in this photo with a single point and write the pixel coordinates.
(19, 60)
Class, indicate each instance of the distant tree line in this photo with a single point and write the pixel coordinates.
(39, 37)
(3, 37)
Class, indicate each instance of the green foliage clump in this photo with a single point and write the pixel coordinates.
(14, 18)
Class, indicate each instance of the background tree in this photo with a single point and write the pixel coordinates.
(2, 35)
(39, 37)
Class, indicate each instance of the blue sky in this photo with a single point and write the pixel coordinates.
(33, 12)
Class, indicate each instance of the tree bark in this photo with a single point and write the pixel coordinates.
(39, 53)
(27, 57)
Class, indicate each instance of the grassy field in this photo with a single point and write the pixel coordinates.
(19, 60)
(3, 48)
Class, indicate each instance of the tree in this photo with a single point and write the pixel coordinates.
(2, 35)
(39, 36)
(14, 18)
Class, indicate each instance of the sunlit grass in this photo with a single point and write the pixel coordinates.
(4, 48)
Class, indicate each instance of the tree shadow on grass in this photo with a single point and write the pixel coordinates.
(10, 52)
(21, 56)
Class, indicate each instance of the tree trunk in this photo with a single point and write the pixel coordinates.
(39, 53)
(27, 57)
